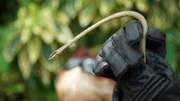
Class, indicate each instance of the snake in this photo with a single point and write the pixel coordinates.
(134, 14)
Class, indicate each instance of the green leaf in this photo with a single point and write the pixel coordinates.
(29, 21)
(49, 65)
(17, 88)
(22, 12)
(34, 49)
(63, 18)
(25, 35)
(4, 64)
(87, 15)
(21, 16)
(5, 31)
(142, 5)
(47, 36)
(54, 5)
(45, 77)
(70, 10)
(12, 48)
(78, 4)
(106, 6)
(65, 35)
(128, 4)
(171, 53)
(24, 63)
(105, 27)
(37, 30)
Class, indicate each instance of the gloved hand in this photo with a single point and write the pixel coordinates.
(120, 59)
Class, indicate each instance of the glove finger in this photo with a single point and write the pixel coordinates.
(101, 67)
(115, 60)
(127, 41)
(133, 32)
(156, 41)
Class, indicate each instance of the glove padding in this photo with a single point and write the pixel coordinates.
(121, 60)
(122, 50)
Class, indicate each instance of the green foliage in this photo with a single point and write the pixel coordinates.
(42, 26)
(4, 64)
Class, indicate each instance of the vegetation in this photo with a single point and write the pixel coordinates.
(31, 29)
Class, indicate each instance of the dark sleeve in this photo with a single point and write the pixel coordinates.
(165, 84)
(160, 85)
(117, 93)
(170, 93)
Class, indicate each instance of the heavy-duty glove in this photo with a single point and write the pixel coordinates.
(120, 59)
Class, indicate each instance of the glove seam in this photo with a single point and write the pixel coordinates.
(157, 79)
(169, 76)
(126, 68)
(123, 57)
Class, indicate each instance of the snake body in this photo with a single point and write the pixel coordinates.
(136, 15)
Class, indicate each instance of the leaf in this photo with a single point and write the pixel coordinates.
(4, 65)
(24, 63)
(54, 5)
(78, 5)
(12, 47)
(49, 65)
(22, 12)
(25, 35)
(142, 5)
(32, 7)
(65, 35)
(128, 4)
(21, 16)
(119, 2)
(46, 15)
(106, 6)
(47, 36)
(45, 77)
(34, 49)
(48, 26)
(28, 22)
(5, 31)
(17, 88)
(69, 9)
(105, 27)
(37, 30)
(63, 18)
(87, 15)
(159, 21)
(171, 52)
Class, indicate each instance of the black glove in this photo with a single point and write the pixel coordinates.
(121, 60)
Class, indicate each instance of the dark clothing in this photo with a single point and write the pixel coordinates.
(120, 59)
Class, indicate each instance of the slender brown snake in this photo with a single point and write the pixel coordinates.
(107, 19)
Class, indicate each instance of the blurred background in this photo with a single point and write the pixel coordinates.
(31, 29)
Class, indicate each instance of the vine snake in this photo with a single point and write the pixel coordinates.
(134, 14)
